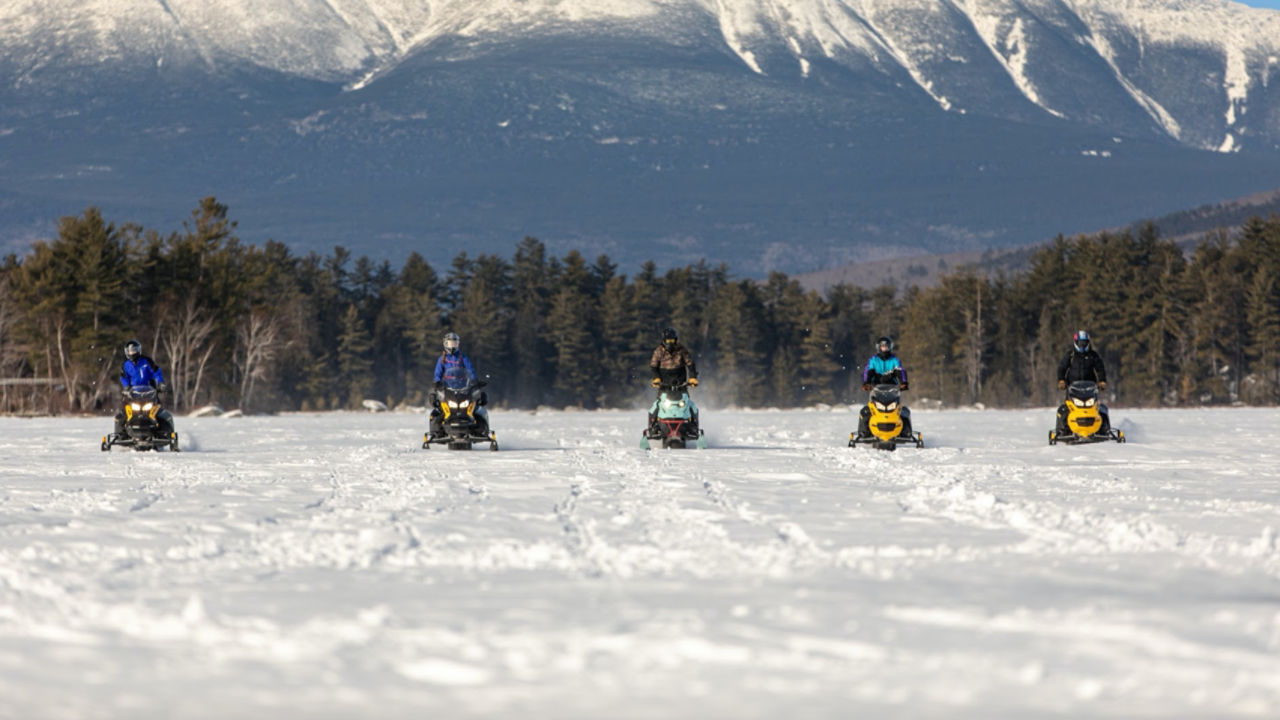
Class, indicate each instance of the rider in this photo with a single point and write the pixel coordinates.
(884, 367)
(140, 370)
(453, 370)
(1081, 362)
(672, 366)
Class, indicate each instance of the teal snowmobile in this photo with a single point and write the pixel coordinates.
(673, 420)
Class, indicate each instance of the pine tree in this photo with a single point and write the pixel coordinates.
(530, 342)
(570, 326)
(1263, 312)
(354, 361)
(817, 365)
(738, 329)
(624, 365)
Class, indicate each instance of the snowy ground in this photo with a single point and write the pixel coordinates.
(324, 566)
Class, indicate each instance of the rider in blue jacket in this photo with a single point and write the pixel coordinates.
(453, 370)
(140, 370)
(883, 367)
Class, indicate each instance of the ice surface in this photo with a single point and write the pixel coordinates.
(324, 566)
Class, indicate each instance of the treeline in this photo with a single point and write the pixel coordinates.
(263, 329)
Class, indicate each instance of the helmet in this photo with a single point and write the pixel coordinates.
(669, 337)
(1081, 340)
(451, 342)
(884, 344)
(132, 349)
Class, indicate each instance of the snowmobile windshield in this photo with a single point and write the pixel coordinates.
(885, 395)
(141, 391)
(456, 382)
(1083, 393)
(673, 399)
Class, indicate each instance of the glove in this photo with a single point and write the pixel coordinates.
(439, 386)
(693, 382)
(162, 387)
(1062, 384)
(866, 387)
(904, 386)
(656, 382)
(1102, 385)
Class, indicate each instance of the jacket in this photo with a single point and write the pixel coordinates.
(1085, 365)
(143, 371)
(454, 369)
(881, 367)
(673, 367)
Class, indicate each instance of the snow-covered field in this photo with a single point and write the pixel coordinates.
(324, 566)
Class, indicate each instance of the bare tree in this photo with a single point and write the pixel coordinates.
(257, 340)
(186, 339)
(972, 344)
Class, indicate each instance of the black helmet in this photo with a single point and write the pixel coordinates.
(884, 344)
(132, 349)
(1081, 340)
(669, 337)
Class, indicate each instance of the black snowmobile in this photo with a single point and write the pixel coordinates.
(143, 429)
(462, 421)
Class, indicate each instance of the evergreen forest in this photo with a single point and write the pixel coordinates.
(264, 329)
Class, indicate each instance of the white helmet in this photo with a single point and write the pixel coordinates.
(451, 342)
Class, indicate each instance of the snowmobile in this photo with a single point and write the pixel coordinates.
(1084, 417)
(674, 420)
(463, 422)
(886, 423)
(142, 428)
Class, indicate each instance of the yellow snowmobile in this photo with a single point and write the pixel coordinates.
(887, 427)
(1085, 422)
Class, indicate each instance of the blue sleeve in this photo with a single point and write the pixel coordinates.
(159, 374)
(466, 363)
(440, 368)
(902, 369)
(866, 371)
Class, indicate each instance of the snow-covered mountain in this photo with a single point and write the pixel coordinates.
(822, 123)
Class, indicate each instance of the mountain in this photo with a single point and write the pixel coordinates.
(769, 134)
(1187, 228)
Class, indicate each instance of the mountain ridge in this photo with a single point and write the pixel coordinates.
(767, 133)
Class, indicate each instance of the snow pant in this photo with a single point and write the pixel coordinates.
(864, 422)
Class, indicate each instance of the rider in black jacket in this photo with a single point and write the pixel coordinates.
(1081, 362)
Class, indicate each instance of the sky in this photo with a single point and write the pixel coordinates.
(1274, 4)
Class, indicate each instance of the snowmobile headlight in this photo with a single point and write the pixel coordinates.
(147, 406)
(680, 404)
(464, 403)
(1090, 402)
(136, 406)
(886, 407)
(453, 404)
